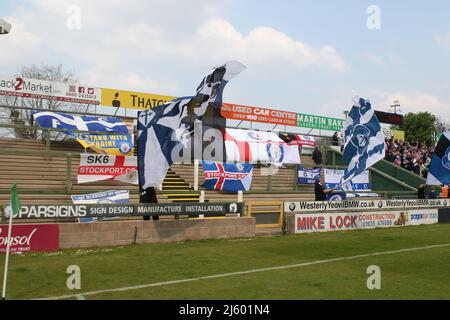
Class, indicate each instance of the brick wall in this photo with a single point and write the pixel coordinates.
(115, 233)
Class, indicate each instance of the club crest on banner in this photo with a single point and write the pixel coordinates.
(446, 159)
(275, 152)
(360, 137)
(124, 148)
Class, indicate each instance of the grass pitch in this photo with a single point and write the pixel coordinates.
(417, 274)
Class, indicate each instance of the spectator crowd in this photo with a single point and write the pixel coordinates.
(412, 156)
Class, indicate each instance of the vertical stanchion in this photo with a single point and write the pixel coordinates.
(8, 247)
(202, 196)
(296, 178)
(196, 174)
(269, 179)
(240, 196)
(47, 144)
(15, 208)
(68, 172)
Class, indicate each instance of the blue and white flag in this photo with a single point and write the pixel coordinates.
(163, 129)
(439, 172)
(105, 197)
(336, 196)
(361, 182)
(227, 176)
(48, 119)
(308, 176)
(364, 140)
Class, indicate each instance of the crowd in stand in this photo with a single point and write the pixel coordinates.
(412, 156)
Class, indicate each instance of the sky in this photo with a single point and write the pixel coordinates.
(302, 56)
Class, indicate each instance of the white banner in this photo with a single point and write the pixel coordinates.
(57, 91)
(107, 167)
(306, 223)
(110, 196)
(252, 146)
(357, 205)
(423, 216)
(359, 183)
(106, 197)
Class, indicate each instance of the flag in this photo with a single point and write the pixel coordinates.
(166, 127)
(48, 119)
(439, 171)
(105, 197)
(364, 140)
(298, 140)
(114, 144)
(227, 176)
(358, 183)
(106, 167)
(336, 196)
(308, 176)
(252, 146)
(15, 201)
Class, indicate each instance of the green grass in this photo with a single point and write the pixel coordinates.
(421, 274)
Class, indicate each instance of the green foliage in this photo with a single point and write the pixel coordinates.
(419, 126)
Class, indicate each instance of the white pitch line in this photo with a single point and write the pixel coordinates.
(157, 284)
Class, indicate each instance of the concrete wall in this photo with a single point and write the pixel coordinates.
(115, 233)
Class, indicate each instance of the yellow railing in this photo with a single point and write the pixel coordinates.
(260, 209)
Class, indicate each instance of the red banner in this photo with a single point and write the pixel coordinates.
(248, 113)
(30, 237)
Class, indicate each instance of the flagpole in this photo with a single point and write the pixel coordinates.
(5, 274)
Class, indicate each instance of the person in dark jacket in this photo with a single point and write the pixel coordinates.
(335, 139)
(421, 191)
(432, 193)
(317, 156)
(148, 196)
(320, 192)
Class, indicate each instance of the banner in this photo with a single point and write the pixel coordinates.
(252, 146)
(306, 223)
(118, 145)
(398, 134)
(359, 183)
(298, 140)
(319, 122)
(356, 205)
(105, 167)
(134, 100)
(55, 91)
(257, 114)
(106, 197)
(192, 209)
(439, 170)
(55, 120)
(111, 196)
(30, 237)
(308, 176)
(418, 217)
(227, 176)
(336, 196)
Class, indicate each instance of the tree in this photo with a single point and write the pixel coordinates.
(419, 126)
(441, 125)
(54, 73)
